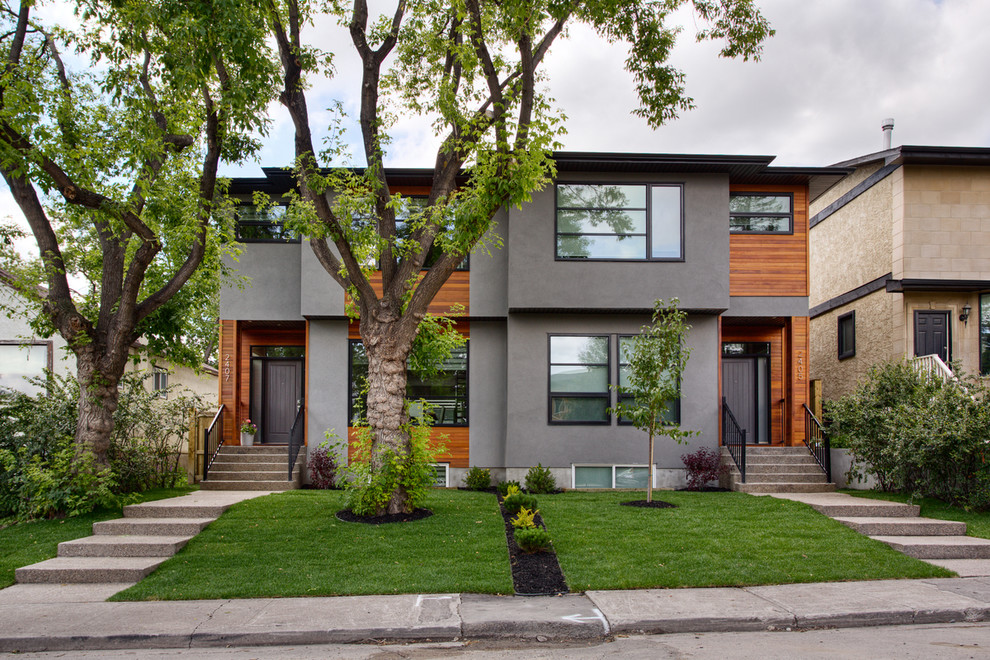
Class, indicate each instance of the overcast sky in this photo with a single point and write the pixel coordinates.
(833, 71)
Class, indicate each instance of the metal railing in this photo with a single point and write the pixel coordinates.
(212, 441)
(734, 439)
(295, 440)
(817, 441)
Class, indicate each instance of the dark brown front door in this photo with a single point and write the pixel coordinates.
(282, 397)
(931, 334)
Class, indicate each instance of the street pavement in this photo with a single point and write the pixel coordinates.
(45, 617)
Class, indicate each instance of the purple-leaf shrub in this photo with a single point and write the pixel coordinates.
(323, 468)
(703, 466)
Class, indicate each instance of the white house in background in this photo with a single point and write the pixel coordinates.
(24, 355)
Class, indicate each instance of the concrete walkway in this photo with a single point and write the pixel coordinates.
(940, 542)
(38, 617)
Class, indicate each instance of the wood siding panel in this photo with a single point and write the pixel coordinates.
(799, 376)
(456, 290)
(229, 375)
(454, 438)
(769, 264)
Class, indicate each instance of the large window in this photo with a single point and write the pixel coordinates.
(445, 393)
(21, 362)
(579, 368)
(672, 415)
(985, 334)
(256, 224)
(760, 213)
(408, 208)
(616, 221)
(847, 335)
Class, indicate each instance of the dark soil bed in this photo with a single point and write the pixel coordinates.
(655, 504)
(349, 516)
(536, 574)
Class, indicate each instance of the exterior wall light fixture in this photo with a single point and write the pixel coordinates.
(964, 317)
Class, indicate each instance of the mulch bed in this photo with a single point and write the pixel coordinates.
(536, 574)
(349, 516)
(655, 504)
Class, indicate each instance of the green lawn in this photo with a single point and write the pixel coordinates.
(291, 544)
(977, 523)
(711, 539)
(22, 544)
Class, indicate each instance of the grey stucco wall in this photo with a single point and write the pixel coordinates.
(767, 306)
(487, 391)
(531, 439)
(271, 291)
(490, 272)
(701, 281)
(326, 397)
(319, 294)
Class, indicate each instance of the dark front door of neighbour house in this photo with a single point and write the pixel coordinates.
(746, 390)
(282, 395)
(931, 334)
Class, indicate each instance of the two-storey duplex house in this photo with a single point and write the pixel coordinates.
(547, 315)
(900, 263)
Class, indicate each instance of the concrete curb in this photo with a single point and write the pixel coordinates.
(69, 618)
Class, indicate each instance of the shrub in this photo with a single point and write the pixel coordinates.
(533, 539)
(703, 466)
(323, 465)
(368, 492)
(478, 479)
(504, 488)
(513, 503)
(539, 480)
(525, 518)
(918, 434)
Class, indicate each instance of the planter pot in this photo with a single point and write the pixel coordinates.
(247, 439)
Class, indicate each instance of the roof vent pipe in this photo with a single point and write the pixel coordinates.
(888, 129)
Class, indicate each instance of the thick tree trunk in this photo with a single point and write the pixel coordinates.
(387, 413)
(98, 397)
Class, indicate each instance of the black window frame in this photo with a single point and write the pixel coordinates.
(675, 412)
(846, 352)
(985, 334)
(754, 193)
(606, 394)
(648, 235)
(465, 398)
(434, 252)
(239, 223)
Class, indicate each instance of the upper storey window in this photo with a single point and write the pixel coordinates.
(620, 222)
(255, 224)
(759, 213)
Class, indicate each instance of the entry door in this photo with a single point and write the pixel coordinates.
(744, 386)
(282, 396)
(931, 334)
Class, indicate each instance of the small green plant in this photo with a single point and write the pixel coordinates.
(478, 478)
(513, 503)
(249, 427)
(540, 481)
(525, 519)
(506, 488)
(533, 539)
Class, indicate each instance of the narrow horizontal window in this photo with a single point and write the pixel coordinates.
(758, 213)
(257, 224)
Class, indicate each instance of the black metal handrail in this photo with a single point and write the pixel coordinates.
(212, 441)
(817, 441)
(734, 438)
(295, 440)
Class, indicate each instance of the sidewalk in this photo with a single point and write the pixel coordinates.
(40, 617)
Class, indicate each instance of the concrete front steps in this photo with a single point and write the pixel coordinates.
(260, 467)
(939, 542)
(777, 470)
(124, 551)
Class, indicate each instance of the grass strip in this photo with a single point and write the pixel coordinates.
(26, 543)
(710, 540)
(977, 522)
(292, 544)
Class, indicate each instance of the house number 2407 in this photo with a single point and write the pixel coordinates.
(226, 367)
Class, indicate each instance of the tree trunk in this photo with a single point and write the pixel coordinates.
(649, 471)
(387, 413)
(98, 396)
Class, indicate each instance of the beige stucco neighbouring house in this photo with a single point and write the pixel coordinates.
(900, 263)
